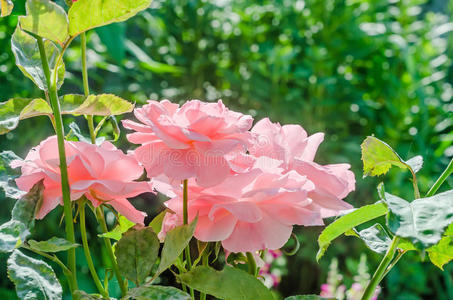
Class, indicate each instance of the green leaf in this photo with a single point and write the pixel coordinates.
(156, 292)
(175, 241)
(136, 253)
(34, 279)
(7, 181)
(12, 234)
(112, 36)
(103, 105)
(149, 64)
(71, 102)
(37, 107)
(375, 238)
(52, 245)
(156, 223)
(82, 295)
(45, 19)
(8, 185)
(102, 12)
(423, 220)
(378, 157)
(347, 222)
(123, 226)
(26, 51)
(228, 284)
(10, 113)
(307, 297)
(25, 208)
(442, 253)
(6, 7)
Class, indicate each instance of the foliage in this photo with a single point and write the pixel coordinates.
(382, 66)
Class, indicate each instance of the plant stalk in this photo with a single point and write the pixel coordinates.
(381, 270)
(252, 263)
(86, 250)
(59, 130)
(447, 172)
(101, 220)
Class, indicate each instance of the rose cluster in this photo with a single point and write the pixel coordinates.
(247, 186)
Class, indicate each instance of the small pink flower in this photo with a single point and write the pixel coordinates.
(249, 211)
(190, 141)
(296, 151)
(103, 174)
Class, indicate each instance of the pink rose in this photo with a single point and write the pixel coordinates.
(249, 211)
(103, 174)
(291, 145)
(190, 141)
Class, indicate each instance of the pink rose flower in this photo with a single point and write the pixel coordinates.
(248, 211)
(190, 141)
(291, 145)
(103, 174)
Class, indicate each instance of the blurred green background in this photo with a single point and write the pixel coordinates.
(349, 68)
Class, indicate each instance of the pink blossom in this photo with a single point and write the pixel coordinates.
(249, 211)
(190, 141)
(103, 174)
(296, 151)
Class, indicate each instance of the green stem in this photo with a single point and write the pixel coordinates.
(381, 270)
(205, 262)
(86, 250)
(86, 87)
(447, 172)
(53, 258)
(108, 245)
(83, 41)
(69, 225)
(394, 262)
(252, 263)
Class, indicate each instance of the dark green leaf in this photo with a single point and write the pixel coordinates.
(25, 208)
(45, 19)
(157, 292)
(228, 284)
(347, 222)
(34, 279)
(52, 245)
(102, 12)
(423, 220)
(112, 36)
(26, 52)
(136, 253)
(6, 7)
(307, 297)
(175, 241)
(85, 296)
(123, 226)
(12, 234)
(378, 157)
(156, 223)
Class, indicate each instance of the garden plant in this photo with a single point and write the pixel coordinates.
(235, 188)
